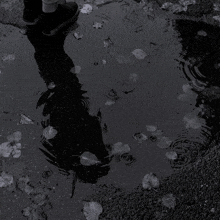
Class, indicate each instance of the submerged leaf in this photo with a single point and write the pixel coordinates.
(172, 155)
(120, 148)
(133, 77)
(164, 142)
(92, 210)
(139, 54)
(169, 201)
(150, 181)
(25, 120)
(49, 132)
(8, 58)
(151, 128)
(192, 121)
(5, 179)
(88, 159)
(110, 102)
(15, 137)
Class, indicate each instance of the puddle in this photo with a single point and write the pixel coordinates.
(170, 84)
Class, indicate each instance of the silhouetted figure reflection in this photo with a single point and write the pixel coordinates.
(67, 108)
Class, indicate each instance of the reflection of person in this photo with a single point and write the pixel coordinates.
(50, 13)
(77, 131)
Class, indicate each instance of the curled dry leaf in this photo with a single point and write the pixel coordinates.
(88, 159)
(169, 201)
(140, 137)
(49, 132)
(25, 120)
(92, 210)
(172, 155)
(150, 181)
(139, 54)
(119, 148)
(164, 142)
(5, 179)
(108, 42)
(86, 9)
(151, 128)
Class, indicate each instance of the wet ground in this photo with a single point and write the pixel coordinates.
(128, 90)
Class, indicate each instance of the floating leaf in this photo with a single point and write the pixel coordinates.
(26, 211)
(187, 97)
(172, 155)
(140, 137)
(120, 148)
(49, 132)
(8, 58)
(150, 181)
(77, 69)
(92, 210)
(122, 59)
(86, 9)
(5, 149)
(164, 142)
(15, 137)
(97, 25)
(5, 179)
(151, 128)
(187, 88)
(77, 35)
(88, 159)
(192, 121)
(169, 201)
(139, 54)
(16, 153)
(104, 62)
(51, 85)
(25, 120)
(110, 102)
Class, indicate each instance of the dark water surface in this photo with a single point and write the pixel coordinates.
(175, 88)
